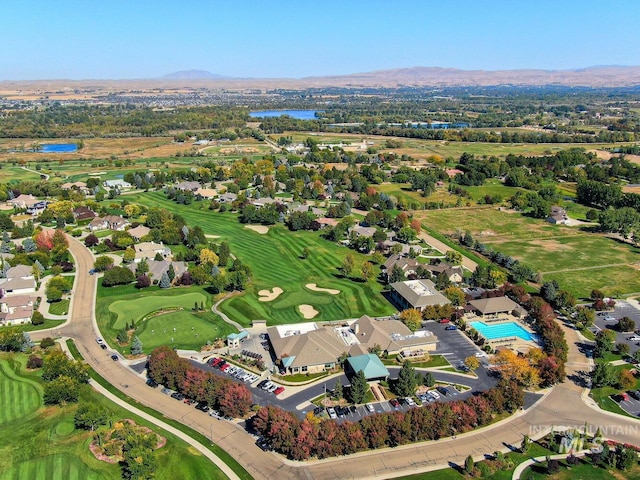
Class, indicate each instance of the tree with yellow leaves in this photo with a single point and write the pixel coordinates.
(518, 368)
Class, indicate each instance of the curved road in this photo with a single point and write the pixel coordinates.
(564, 405)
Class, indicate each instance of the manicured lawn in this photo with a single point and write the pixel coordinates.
(128, 310)
(192, 329)
(613, 281)
(59, 466)
(585, 469)
(43, 443)
(275, 261)
(59, 308)
(27, 327)
(18, 396)
(228, 459)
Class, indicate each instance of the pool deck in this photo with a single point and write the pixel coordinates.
(514, 342)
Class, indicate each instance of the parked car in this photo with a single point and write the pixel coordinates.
(177, 396)
(451, 327)
(443, 390)
(114, 357)
(635, 394)
(332, 413)
(166, 391)
(202, 406)
(215, 414)
(410, 401)
(435, 395)
(394, 403)
(262, 383)
(99, 341)
(609, 318)
(278, 390)
(151, 383)
(370, 408)
(445, 320)
(634, 338)
(103, 346)
(189, 401)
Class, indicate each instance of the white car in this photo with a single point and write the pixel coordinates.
(634, 338)
(332, 413)
(410, 401)
(434, 394)
(370, 408)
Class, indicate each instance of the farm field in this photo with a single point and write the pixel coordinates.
(43, 444)
(422, 149)
(580, 261)
(192, 330)
(275, 261)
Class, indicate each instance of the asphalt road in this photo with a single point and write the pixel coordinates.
(564, 405)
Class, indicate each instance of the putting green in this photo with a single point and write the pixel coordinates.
(135, 310)
(191, 330)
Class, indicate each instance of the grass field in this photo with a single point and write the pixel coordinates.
(43, 444)
(18, 396)
(275, 261)
(59, 308)
(579, 260)
(192, 329)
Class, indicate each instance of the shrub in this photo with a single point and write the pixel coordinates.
(34, 362)
(47, 342)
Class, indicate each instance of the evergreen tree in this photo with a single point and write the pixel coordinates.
(358, 388)
(428, 380)
(136, 346)
(407, 380)
(469, 465)
(165, 282)
(171, 273)
(338, 390)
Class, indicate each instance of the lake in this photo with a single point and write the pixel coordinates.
(298, 114)
(58, 148)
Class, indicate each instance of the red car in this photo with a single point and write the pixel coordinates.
(445, 320)
(278, 390)
(225, 367)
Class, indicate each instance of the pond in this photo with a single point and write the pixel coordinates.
(297, 114)
(58, 148)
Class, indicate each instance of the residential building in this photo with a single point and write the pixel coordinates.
(84, 213)
(206, 193)
(453, 272)
(407, 264)
(558, 216)
(188, 186)
(23, 201)
(137, 233)
(16, 309)
(19, 280)
(149, 250)
(117, 184)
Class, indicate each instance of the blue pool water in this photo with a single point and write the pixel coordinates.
(298, 114)
(501, 330)
(58, 148)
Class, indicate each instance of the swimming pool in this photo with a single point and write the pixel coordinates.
(501, 330)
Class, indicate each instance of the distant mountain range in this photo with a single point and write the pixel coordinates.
(599, 76)
(191, 75)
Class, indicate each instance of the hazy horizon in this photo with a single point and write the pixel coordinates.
(122, 40)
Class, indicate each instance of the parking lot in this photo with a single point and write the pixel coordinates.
(630, 403)
(610, 319)
(452, 344)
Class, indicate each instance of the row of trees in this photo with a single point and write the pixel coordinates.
(312, 437)
(167, 368)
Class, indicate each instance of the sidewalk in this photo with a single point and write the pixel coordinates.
(183, 436)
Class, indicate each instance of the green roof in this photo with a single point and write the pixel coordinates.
(239, 336)
(370, 364)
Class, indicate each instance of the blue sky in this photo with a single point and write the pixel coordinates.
(113, 39)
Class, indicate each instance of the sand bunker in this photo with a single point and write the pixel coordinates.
(258, 228)
(308, 311)
(315, 288)
(269, 295)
